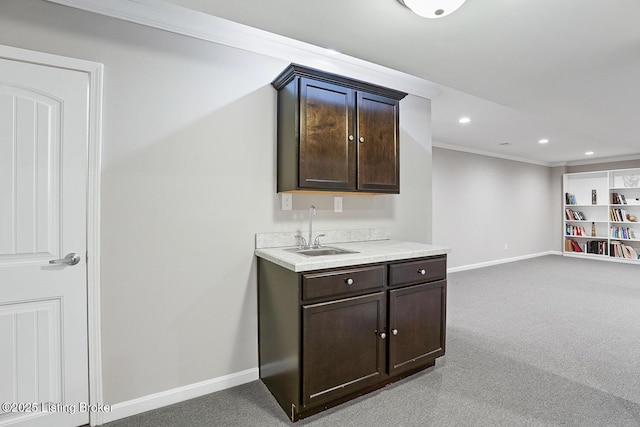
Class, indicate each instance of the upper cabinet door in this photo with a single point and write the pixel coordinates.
(320, 129)
(378, 143)
(327, 148)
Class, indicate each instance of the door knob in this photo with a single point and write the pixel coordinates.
(394, 331)
(71, 259)
(382, 335)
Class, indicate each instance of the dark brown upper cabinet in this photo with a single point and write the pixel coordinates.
(336, 134)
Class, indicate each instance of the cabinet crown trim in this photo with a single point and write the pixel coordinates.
(295, 70)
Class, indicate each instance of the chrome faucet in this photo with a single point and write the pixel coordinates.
(312, 213)
(306, 244)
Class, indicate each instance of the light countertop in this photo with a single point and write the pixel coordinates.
(368, 252)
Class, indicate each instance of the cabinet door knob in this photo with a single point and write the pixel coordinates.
(422, 271)
(350, 137)
(383, 335)
(362, 139)
(349, 281)
(394, 331)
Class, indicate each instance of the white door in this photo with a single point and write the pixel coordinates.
(43, 190)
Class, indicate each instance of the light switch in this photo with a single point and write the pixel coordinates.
(287, 201)
(337, 204)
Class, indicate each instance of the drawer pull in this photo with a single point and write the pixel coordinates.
(394, 331)
(382, 335)
(422, 271)
(349, 281)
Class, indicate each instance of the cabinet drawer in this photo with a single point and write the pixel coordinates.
(342, 282)
(424, 270)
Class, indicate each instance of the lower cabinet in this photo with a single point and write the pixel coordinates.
(341, 349)
(416, 325)
(328, 336)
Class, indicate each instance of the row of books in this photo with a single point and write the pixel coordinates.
(575, 230)
(598, 247)
(623, 233)
(619, 215)
(618, 199)
(569, 199)
(572, 215)
(620, 250)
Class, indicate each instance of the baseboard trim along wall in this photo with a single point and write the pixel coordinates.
(179, 394)
(501, 261)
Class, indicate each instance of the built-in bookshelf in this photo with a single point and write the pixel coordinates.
(601, 213)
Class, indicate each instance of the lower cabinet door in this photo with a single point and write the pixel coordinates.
(416, 325)
(342, 347)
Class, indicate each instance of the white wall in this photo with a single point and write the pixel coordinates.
(481, 203)
(188, 178)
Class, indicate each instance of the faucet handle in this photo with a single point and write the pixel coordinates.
(316, 242)
(303, 242)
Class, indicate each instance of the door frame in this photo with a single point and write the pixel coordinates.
(94, 71)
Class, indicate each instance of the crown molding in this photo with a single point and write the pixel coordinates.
(599, 160)
(180, 20)
(454, 147)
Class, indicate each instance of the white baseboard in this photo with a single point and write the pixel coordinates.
(179, 394)
(501, 261)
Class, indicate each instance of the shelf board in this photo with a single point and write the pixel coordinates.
(585, 220)
(586, 206)
(586, 237)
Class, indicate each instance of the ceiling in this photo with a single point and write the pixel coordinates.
(568, 71)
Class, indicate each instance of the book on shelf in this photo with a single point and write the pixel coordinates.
(569, 199)
(572, 215)
(623, 201)
(620, 250)
(576, 246)
(575, 230)
(568, 247)
(629, 252)
(618, 215)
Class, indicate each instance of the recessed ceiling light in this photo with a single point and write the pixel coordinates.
(589, 153)
(543, 141)
(464, 120)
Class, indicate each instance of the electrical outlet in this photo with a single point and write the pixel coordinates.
(287, 201)
(337, 204)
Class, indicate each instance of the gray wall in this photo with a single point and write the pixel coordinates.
(480, 203)
(188, 178)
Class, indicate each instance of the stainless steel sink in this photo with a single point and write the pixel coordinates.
(324, 250)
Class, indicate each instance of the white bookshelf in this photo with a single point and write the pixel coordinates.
(605, 212)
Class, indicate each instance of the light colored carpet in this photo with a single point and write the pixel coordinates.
(550, 341)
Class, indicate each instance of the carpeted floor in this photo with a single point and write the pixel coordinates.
(548, 341)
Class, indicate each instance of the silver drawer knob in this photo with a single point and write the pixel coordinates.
(350, 137)
(394, 331)
(349, 281)
(383, 335)
(422, 271)
(362, 139)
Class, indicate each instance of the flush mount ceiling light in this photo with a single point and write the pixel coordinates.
(464, 120)
(543, 141)
(432, 8)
